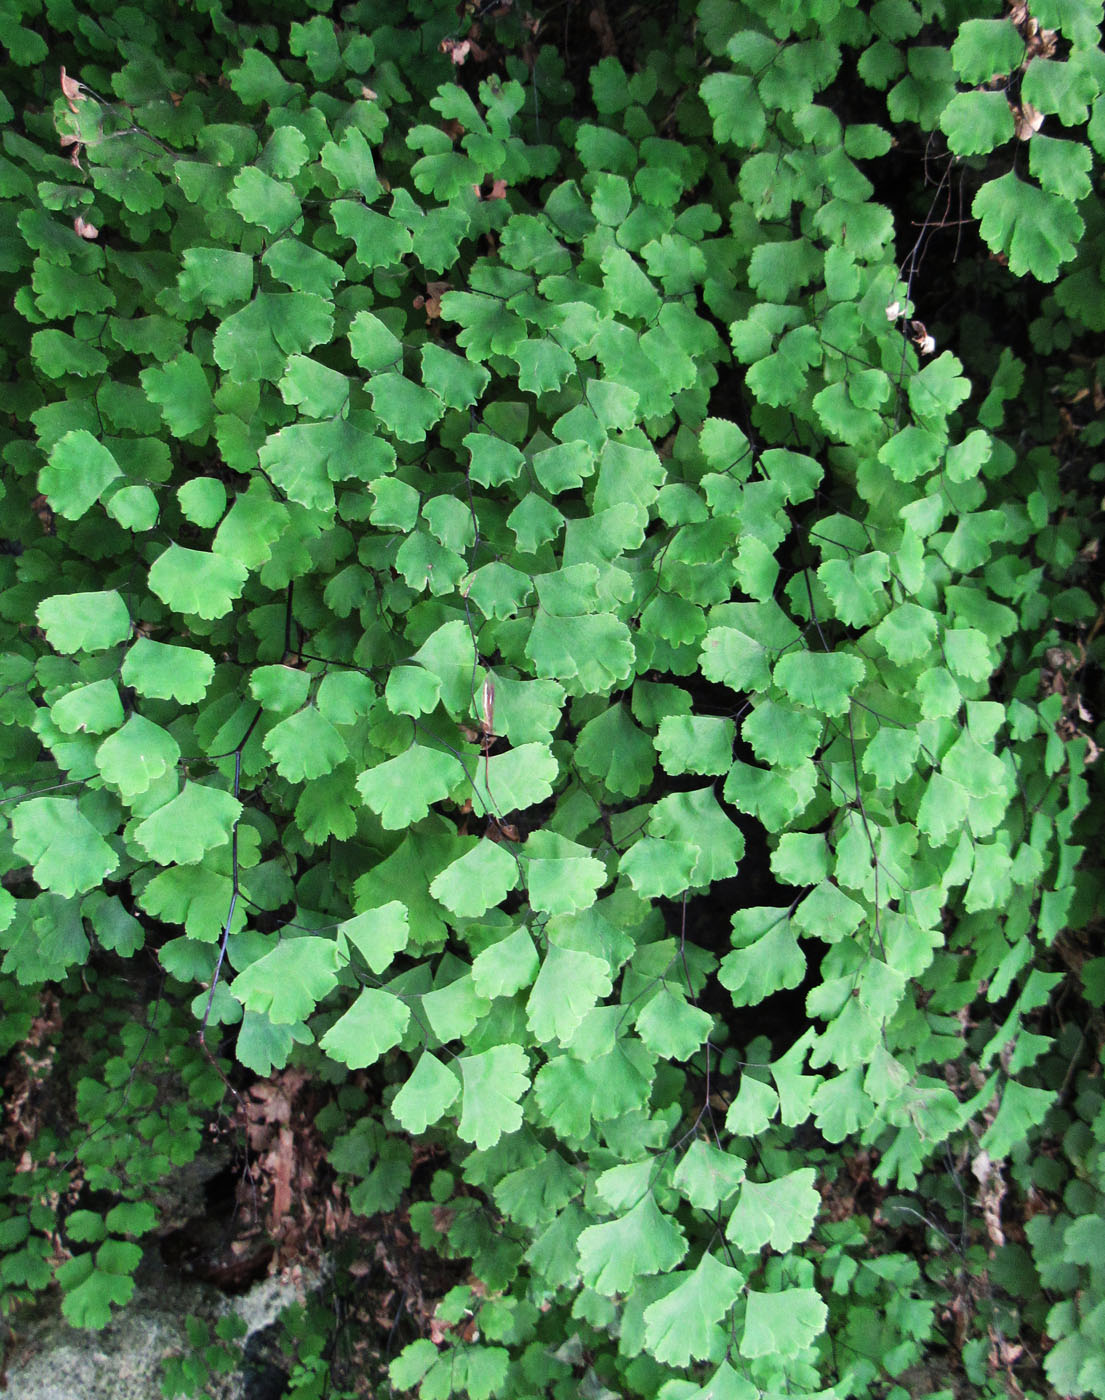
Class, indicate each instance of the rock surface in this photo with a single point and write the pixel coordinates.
(49, 1360)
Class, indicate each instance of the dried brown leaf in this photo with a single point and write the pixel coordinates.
(281, 1166)
(71, 90)
(600, 23)
(457, 50)
(1026, 121)
(431, 302)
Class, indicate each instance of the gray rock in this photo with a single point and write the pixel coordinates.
(49, 1360)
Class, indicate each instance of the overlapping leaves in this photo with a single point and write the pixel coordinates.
(472, 546)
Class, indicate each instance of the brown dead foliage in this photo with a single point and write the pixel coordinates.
(27, 1082)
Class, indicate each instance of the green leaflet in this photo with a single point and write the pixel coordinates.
(616, 750)
(428, 1094)
(566, 988)
(197, 820)
(984, 48)
(707, 1176)
(504, 968)
(660, 869)
(215, 276)
(92, 708)
(305, 745)
(695, 744)
(561, 877)
(315, 389)
(402, 789)
(480, 879)
(287, 982)
(134, 507)
(42, 941)
(79, 470)
(407, 410)
(181, 389)
(91, 1290)
(780, 1212)
(378, 934)
(736, 112)
(821, 683)
(774, 960)
(512, 781)
(492, 1084)
(977, 122)
(614, 1255)
(256, 342)
(671, 1027)
(682, 1326)
(193, 581)
(76, 622)
(280, 689)
(1021, 1105)
(202, 500)
(782, 1323)
(136, 755)
(67, 852)
(263, 1046)
(372, 1025)
(262, 200)
(452, 1010)
(1035, 229)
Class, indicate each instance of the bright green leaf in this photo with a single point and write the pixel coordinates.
(985, 49)
(644, 1241)
(822, 681)
(262, 200)
(426, 1096)
(671, 1027)
(766, 965)
(478, 881)
(561, 876)
(1036, 230)
(75, 622)
(136, 756)
(779, 1212)
(67, 852)
(681, 1326)
(401, 790)
(492, 1085)
(89, 709)
(695, 744)
(288, 981)
(506, 967)
(708, 1176)
(567, 987)
(198, 819)
(194, 581)
(783, 1323)
(372, 1026)
(79, 470)
(378, 934)
(305, 745)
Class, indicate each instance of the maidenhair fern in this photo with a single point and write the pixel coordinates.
(458, 522)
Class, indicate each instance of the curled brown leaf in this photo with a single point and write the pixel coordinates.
(456, 49)
(431, 302)
(71, 90)
(1027, 121)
